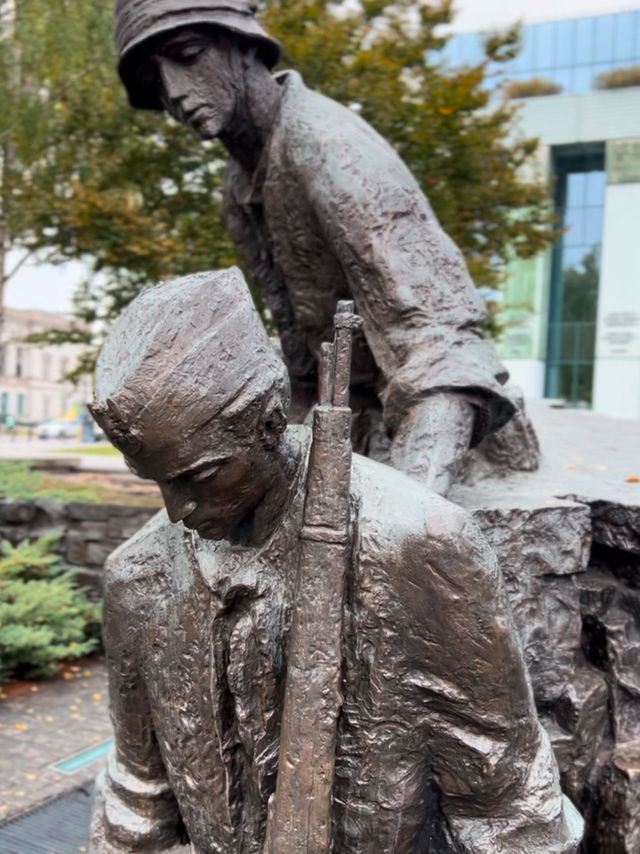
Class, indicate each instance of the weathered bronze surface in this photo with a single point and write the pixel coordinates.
(437, 744)
(321, 209)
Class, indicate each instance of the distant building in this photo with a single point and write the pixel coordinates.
(572, 317)
(31, 385)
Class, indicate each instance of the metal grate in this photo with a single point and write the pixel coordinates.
(59, 826)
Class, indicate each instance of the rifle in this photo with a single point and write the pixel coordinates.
(299, 820)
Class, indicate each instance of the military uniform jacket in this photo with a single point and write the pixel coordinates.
(439, 748)
(331, 213)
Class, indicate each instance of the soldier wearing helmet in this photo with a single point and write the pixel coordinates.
(321, 208)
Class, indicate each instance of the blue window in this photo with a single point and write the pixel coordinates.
(626, 23)
(584, 40)
(21, 404)
(544, 53)
(604, 34)
(565, 37)
(4, 402)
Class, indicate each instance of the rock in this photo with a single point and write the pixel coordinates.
(576, 726)
(616, 824)
(17, 512)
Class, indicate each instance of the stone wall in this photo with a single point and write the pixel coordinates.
(88, 532)
(572, 568)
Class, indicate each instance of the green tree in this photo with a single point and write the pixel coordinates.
(138, 196)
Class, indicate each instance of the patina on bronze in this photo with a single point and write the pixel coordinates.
(437, 744)
(321, 209)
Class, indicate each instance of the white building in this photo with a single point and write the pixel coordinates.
(31, 384)
(572, 316)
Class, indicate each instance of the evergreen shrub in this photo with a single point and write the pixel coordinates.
(44, 617)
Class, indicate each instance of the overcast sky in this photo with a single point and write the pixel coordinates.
(50, 288)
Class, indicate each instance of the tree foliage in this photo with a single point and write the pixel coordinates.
(44, 618)
(138, 196)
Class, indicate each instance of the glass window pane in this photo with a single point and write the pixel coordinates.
(543, 57)
(604, 32)
(596, 183)
(583, 79)
(565, 32)
(564, 77)
(584, 40)
(625, 31)
(576, 189)
(528, 48)
(593, 226)
(575, 223)
(572, 259)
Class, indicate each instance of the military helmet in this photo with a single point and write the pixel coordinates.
(137, 22)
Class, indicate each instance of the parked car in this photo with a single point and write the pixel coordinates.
(57, 429)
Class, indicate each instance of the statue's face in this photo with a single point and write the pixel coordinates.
(197, 79)
(219, 480)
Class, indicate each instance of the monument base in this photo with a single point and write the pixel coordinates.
(568, 542)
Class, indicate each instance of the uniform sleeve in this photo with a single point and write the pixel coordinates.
(410, 283)
(447, 690)
(246, 227)
(134, 807)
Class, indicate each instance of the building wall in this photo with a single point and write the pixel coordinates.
(31, 385)
(617, 370)
(563, 122)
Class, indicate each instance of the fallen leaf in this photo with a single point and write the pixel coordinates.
(34, 688)
(570, 467)
(73, 708)
(32, 776)
(67, 675)
(97, 696)
(633, 478)
(87, 673)
(21, 726)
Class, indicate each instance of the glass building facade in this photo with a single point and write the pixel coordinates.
(575, 277)
(571, 53)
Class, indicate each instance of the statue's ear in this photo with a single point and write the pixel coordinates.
(273, 423)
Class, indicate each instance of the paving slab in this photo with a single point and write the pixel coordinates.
(45, 722)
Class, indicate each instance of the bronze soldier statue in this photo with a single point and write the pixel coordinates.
(435, 742)
(322, 208)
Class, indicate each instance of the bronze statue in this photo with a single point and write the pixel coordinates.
(321, 209)
(437, 747)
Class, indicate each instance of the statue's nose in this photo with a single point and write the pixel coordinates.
(173, 81)
(179, 505)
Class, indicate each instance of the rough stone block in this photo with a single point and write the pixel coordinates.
(80, 511)
(93, 531)
(616, 825)
(76, 548)
(17, 512)
(97, 553)
(577, 726)
(123, 527)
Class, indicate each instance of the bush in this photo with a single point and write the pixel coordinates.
(44, 618)
(17, 480)
(532, 88)
(618, 78)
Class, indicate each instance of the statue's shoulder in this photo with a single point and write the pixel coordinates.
(145, 556)
(395, 509)
(312, 125)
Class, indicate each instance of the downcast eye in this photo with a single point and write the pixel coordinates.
(205, 474)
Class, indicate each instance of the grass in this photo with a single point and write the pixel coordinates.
(17, 480)
(104, 449)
